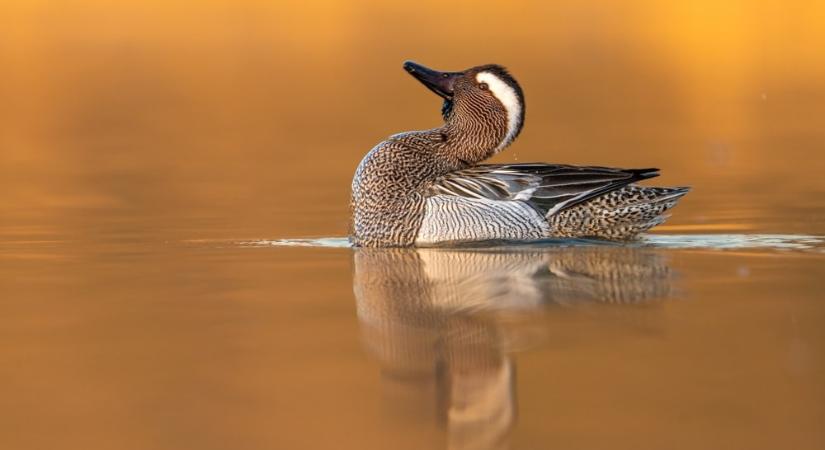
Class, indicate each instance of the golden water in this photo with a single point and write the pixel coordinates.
(160, 162)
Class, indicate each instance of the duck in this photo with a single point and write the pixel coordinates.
(429, 188)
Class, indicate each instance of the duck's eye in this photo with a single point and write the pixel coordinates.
(445, 75)
(483, 86)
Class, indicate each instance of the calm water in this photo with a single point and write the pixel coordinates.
(174, 197)
(226, 344)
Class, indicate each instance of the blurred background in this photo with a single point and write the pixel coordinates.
(237, 119)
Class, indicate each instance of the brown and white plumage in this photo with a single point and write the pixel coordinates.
(427, 187)
(550, 187)
(577, 201)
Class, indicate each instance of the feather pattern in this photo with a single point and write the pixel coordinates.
(548, 188)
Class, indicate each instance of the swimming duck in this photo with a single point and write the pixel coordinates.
(423, 188)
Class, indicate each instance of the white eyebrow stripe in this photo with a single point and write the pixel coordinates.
(508, 97)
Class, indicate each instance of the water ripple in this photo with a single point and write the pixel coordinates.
(672, 241)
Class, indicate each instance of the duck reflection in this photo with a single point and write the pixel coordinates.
(445, 315)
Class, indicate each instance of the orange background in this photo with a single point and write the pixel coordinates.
(248, 118)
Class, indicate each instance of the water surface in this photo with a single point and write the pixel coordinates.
(225, 344)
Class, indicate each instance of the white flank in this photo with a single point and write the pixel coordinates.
(508, 97)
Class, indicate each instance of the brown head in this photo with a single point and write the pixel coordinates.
(483, 103)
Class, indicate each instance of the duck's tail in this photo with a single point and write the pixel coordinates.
(620, 214)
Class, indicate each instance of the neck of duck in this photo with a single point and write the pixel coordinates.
(388, 188)
(471, 137)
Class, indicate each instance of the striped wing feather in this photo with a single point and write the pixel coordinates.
(547, 187)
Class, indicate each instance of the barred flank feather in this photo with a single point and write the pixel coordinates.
(620, 214)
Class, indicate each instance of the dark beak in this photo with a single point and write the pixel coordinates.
(439, 82)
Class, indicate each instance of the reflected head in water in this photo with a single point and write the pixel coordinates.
(442, 318)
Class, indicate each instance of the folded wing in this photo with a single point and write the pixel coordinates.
(549, 188)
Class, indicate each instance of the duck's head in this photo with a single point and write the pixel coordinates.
(480, 98)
